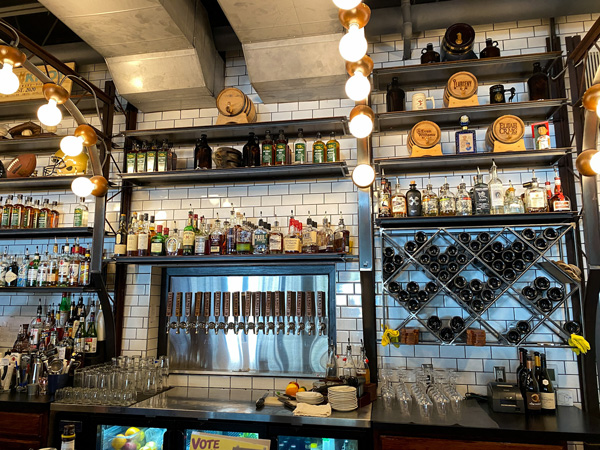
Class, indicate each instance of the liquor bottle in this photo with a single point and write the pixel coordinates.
(16, 217)
(275, 239)
(548, 189)
(132, 157)
(84, 270)
(230, 234)
(559, 201)
(4, 266)
(152, 158)
(292, 241)
(172, 242)
(162, 158)
(74, 266)
(464, 203)
(300, 148)
(268, 150)
(91, 336)
(28, 213)
(202, 154)
(481, 196)
(121, 237)
(496, 191)
(319, 150)
(546, 389)
(80, 215)
(362, 368)
(429, 202)
(537, 84)
(189, 235)
(44, 218)
(385, 194)
(42, 273)
(447, 201)
(132, 239)
(398, 202)
(333, 149)
(79, 337)
(171, 156)
(143, 237)
(140, 161)
(7, 212)
(349, 368)
(309, 237)
(281, 149)
(535, 197)
(512, 203)
(35, 328)
(533, 401)
(341, 240)
(157, 246)
(395, 97)
(465, 139)
(521, 370)
(260, 238)
(243, 238)
(32, 269)
(200, 238)
(11, 277)
(413, 200)
(217, 239)
(37, 210)
(54, 215)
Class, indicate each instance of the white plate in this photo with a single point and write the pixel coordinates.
(340, 389)
(344, 409)
(309, 395)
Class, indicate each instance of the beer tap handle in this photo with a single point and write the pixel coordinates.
(186, 325)
(208, 325)
(300, 310)
(198, 313)
(221, 303)
(169, 312)
(178, 310)
(310, 312)
(290, 309)
(321, 312)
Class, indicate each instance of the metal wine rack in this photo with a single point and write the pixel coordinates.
(500, 313)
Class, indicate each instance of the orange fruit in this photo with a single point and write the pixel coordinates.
(292, 389)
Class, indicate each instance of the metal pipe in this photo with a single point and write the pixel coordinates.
(407, 28)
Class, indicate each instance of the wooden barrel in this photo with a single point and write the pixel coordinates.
(424, 134)
(506, 129)
(461, 86)
(232, 102)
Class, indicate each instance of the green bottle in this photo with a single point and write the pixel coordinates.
(91, 336)
(157, 246)
(189, 236)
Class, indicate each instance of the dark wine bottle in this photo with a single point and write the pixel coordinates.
(544, 305)
(433, 251)
(488, 256)
(431, 288)
(494, 283)
(517, 247)
(513, 336)
(475, 246)
(520, 369)
(476, 286)
(394, 287)
(518, 265)
(529, 293)
(457, 324)
(477, 305)
(403, 295)
(464, 238)
(497, 247)
(550, 234)
(541, 244)
(459, 283)
(389, 269)
(484, 237)
(509, 275)
(434, 267)
(413, 305)
(452, 250)
(499, 265)
(528, 256)
(528, 234)
(422, 296)
(453, 267)
(412, 287)
(508, 256)
(541, 283)
(398, 260)
(572, 327)
(465, 295)
(461, 259)
(523, 326)
(487, 295)
(446, 334)
(434, 323)
(556, 294)
(533, 401)
(443, 258)
(425, 259)
(411, 247)
(388, 252)
(420, 238)
(546, 389)
(443, 276)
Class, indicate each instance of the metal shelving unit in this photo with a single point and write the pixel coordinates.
(505, 160)
(49, 289)
(198, 260)
(503, 68)
(230, 133)
(46, 233)
(36, 183)
(448, 118)
(27, 109)
(262, 173)
(39, 145)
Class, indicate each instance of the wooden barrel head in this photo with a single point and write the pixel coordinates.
(232, 102)
(508, 129)
(425, 134)
(462, 85)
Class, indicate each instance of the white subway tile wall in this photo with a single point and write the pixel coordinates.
(314, 197)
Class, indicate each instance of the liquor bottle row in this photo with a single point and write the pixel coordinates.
(69, 268)
(72, 328)
(267, 312)
(269, 152)
(535, 383)
(483, 198)
(236, 236)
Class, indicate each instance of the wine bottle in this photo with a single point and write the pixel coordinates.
(431, 288)
(411, 247)
(461, 259)
(544, 305)
(541, 244)
(446, 334)
(398, 260)
(521, 370)
(422, 296)
(412, 287)
(541, 283)
(497, 247)
(434, 323)
(388, 269)
(457, 324)
(433, 251)
(528, 234)
(513, 336)
(443, 258)
(413, 305)
(498, 265)
(572, 327)
(508, 256)
(425, 259)
(556, 294)
(517, 247)
(465, 295)
(452, 250)
(459, 283)
(453, 267)
(476, 286)
(518, 265)
(394, 287)
(523, 327)
(475, 246)
(494, 283)
(528, 255)
(509, 274)
(546, 389)
(443, 276)
(464, 237)
(388, 252)
(487, 295)
(403, 295)
(529, 293)
(434, 267)
(484, 237)
(420, 238)
(550, 234)
(488, 256)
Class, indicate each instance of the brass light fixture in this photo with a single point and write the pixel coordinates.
(358, 86)
(353, 46)
(362, 119)
(10, 57)
(591, 99)
(588, 161)
(83, 135)
(49, 114)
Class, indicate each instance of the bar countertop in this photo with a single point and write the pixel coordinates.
(183, 402)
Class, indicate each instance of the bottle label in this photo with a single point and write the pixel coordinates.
(199, 244)
(156, 248)
(534, 401)
(561, 205)
(496, 197)
(332, 151)
(188, 238)
(384, 206)
(267, 154)
(243, 246)
(6, 217)
(259, 240)
(77, 217)
(399, 205)
(275, 243)
(142, 241)
(120, 249)
(537, 199)
(280, 153)
(161, 164)
(10, 277)
(482, 200)
(132, 242)
(31, 277)
(73, 273)
(16, 217)
(42, 219)
(292, 244)
(151, 161)
(131, 162)
(84, 275)
(300, 152)
(172, 245)
(414, 205)
(91, 345)
(318, 153)
(62, 352)
(548, 399)
(141, 162)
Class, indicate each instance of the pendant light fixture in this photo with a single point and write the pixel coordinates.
(49, 114)
(346, 4)
(591, 99)
(362, 118)
(363, 175)
(10, 57)
(588, 161)
(358, 86)
(353, 46)
(73, 145)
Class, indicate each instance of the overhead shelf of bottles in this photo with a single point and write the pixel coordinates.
(179, 261)
(503, 69)
(44, 144)
(479, 115)
(49, 289)
(479, 221)
(46, 233)
(239, 174)
(232, 133)
(446, 163)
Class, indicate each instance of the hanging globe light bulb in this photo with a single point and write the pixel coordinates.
(346, 4)
(71, 145)
(49, 114)
(361, 121)
(9, 82)
(82, 186)
(363, 175)
(353, 46)
(358, 87)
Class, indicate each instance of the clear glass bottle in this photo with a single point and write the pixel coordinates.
(349, 368)
(496, 191)
(217, 239)
(481, 196)
(143, 244)
(429, 202)
(385, 197)
(535, 197)
(74, 266)
(300, 148)
(12, 277)
(310, 237)
(319, 155)
(243, 238)
(281, 149)
(341, 238)
(230, 234)
(132, 239)
(276, 239)
(80, 215)
(172, 242)
(260, 238)
(201, 238)
(32, 270)
(398, 202)
(464, 203)
(16, 218)
(53, 265)
(292, 242)
(512, 203)
(447, 201)
(4, 267)
(42, 273)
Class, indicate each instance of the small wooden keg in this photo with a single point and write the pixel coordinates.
(235, 107)
(507, 130)
(460, 86)
(424, 138)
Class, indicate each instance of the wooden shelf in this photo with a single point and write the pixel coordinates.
(262, 173)
(46, 233)
(448, 163)
(448, 118)
(234, 259)
(36, 183)
(504, 69)
(48, 289)
(46, 144)
(479, 221)
(233, 133)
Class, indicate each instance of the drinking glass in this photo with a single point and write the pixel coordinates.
(78, 378)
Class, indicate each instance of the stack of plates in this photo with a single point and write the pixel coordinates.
(342, 398)
(312, 398)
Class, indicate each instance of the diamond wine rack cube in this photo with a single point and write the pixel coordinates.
(504, 280)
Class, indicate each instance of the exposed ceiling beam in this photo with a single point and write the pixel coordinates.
(22, 9)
